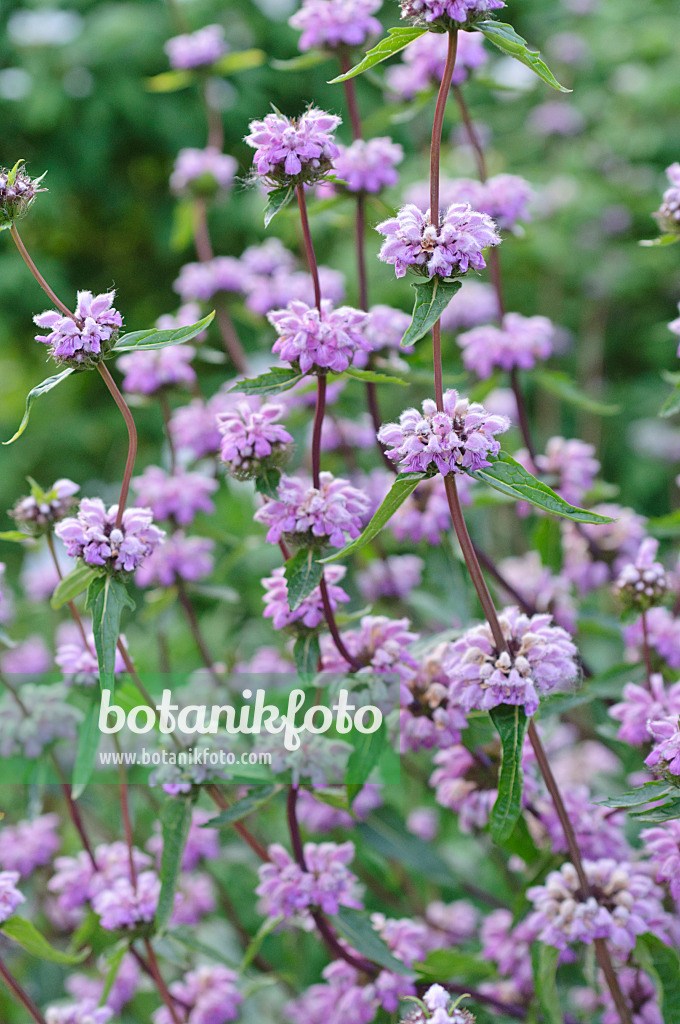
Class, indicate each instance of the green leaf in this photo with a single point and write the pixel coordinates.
(86, 751)
(36, 392)
(672, 404)
(363, 759)
(175, 825)
(242, 808)
(446, 964)
(277, 199)
(562, 386)
(371, 377)
(386, 832)
(507, 476)
(661, 240)
(668, 811)
(153, 339)
(432, 298)
(170, 81)
(303, 573)
(397, 39)
(404, 485)
(511, 723)
(15, 536)
(662, 964)
(267, 482)
(115, 960)
(269, 925)
(636, 797)
(665, 526)
(506, 39)
(187, 937)
(106, 599)
(29, 938)
(355, 926)
(75, 583)
(306, 653)
(544, 960)
(277, 379)
(243, 60)
(310, 59)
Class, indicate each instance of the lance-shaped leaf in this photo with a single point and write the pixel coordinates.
(14, 536)
(175, 825)
(277, 378)
(303, 573)
(40, 389)
(397, 39)
(661, 240)
(371, 377)
(356, 927)
(257, 798)
(544, 961)
(267, 482)
(432, 298)
(507, 476)
(506, 39)
(511, 724)
(276, 200)
(242, 60)
(153, 339)
(106, 599)
(29, 938)
(306, 654)
(562, 386)
(662, 964)
(88, 744)
(404, 485)
(72, 585)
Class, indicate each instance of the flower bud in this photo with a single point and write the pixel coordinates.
(17, 192)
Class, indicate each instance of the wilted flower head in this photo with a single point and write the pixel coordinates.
(10, 897)
(541, 658)
(314, 515)
(93, 535)
(668, 215)
(325, 882)
(147, 372)
(332, 23)
(449, 249)
(252, 440)
(202, 172)
(81, 340)
(517, 344)
(178, 496)
(313, 339)
(39, 511)
(459, 437)
(17, 192)
(310, 612)
(207, 995)
(294, 150)
(178, 558)
(369, 165)
(196, 49)
(462, 13)
(423, 63)
(642, 583)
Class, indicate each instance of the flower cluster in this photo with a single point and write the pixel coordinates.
(642, 583)
(10, 897)
(38, 512)
(517, 344)
(319, 340)
(252, 439)
(643, 704)
(178, 558)
(196, 49)
(17, 192)
(423, 63)
(29, 844)
(668, 215)
(310, 612)
(207, 995)
(147, 373)
(84, 338)
(664, 758)
(448, 249)
(325, 882)
(43, 717)
(202, 172)
(313, 515)
(460, 437)
(179, 496)
(94, 535)
(369, 166)
(333, 23)
(460, 13)
(441, 1008)
(297, 151)
(86, 1011)
(199, 282)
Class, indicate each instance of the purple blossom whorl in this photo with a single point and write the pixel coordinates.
(314, 340)
(83, 339)
(93, 535)
(450, 249)
(294, 151)
(313, 515)
(448, 13)
(252, 439)
(332, 23)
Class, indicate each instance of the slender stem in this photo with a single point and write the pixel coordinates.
(132, 438)
(435, 150)
(487, 563)
(214, 119)
(166, 413)
(320, 411)
(204, 251)
(350, 92)
(160, 982)
(255, 845)
(69, 604)
(437, 362)
(197, 634)
(74, 814)
(18, 992)
(36, 273)
(202, 243)
(127, 823)
(353, 662)
(309, 245)
(474, 139)
(646, 650)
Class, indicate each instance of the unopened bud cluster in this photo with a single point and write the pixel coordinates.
(17, 192)
(38, 512)
(642, 584)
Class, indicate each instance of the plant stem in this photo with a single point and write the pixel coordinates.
(204, 251)
(160, 982)
(255, 845)
(69, 604)
(318, 426)
(309, 245)
(214, 119)
(125, 815)
(435, 149)
(18, 992)
(646, 650)
(132, 438)
(350, 92)
(197, 634)
(36, 273)
(166, 413)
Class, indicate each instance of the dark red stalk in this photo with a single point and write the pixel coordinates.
(199, 639)
(36, 273)
(132, 438)
(20, 995)
(309, 245)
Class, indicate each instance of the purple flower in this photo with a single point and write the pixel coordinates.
(395, 576)
(544, 590)
(369, 165)
(542, 659)
(123, 990)
(423, 63)
(265, 293)
(458, 438)
(663, 636)
(615, 544)
(462, 12)
(38, 512)
(315, 340)
(179, 496)
(664, 758)
(85, 338)
(30, 658)
(623, 902)
(194, 427)
(475, 304)
(343, 435)
(314, 515)
(642, 583)
(326, 882)
(385, 328)
(199, 282)
(29, 844)
(427, 717)
(17, 192)
(505, 945)
(458, 786)
(517, 344)
(86, 1011)
(380, 644)
(178, 558)
(569, 465)
(291, 150)
(207, 995)
(425, 514)
(252, 439)
(202, 172)
(310, 612)
(332, 23)
(423, 822)
(598, 830)
(641, 705)
(318, 816)
(662, 845)
(77, 658)
(447, 250)
(505, 197)
(668, 215)
(93, 535)
(196, 49)
(147, 373)
(267, 259)
(194, 899)
(10, 897)
(441, 1006)
(122, 904)
(556, 117)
